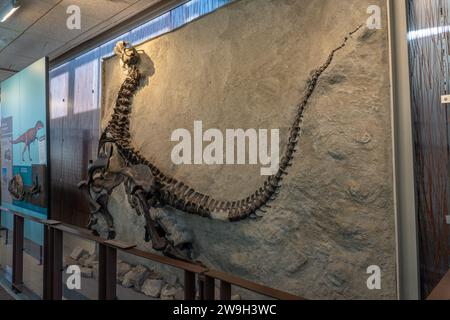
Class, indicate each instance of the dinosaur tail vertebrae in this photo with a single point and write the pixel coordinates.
(175, 193)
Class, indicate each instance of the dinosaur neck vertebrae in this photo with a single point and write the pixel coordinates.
(177, 194)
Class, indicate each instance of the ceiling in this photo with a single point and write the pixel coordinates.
(39, 28)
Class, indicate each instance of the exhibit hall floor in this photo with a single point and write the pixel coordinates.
(4, 295)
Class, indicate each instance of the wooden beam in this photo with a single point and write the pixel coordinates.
(442, 291)
(57, 283)
(8, 70)
(189, 285)
(225, 290)
(48, 263)
(107, 273)
(209, 288)
(252, 286)
(18, 234)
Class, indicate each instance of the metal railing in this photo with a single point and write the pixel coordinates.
(195, 276)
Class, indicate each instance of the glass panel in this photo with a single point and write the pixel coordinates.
(6, 246)
(33, 271)
(32, 256)
(141, 279)
(82, 254)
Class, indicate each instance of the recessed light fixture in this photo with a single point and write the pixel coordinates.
(8, 10)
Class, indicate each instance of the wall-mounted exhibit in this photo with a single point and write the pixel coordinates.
(327, 213)
(225, 149)
(24, 146)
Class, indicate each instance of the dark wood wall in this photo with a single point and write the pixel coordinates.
(429, 46)
(74, 137)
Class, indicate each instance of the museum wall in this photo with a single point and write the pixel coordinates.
(246, 66)
(73, 137)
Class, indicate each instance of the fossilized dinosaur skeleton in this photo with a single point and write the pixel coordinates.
(147, 187)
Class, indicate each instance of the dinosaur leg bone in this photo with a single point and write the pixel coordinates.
(103, 202)
(151, 228)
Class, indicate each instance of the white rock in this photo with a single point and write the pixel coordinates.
(90, 261)
(126, 283)
(236, 297)
(135, 277)
(95, 271)
(69, 261)
(171, 279)
(122, 269)
(78, 252)
(170, 292)
(87, 272)
(154, 275)
(152, 288)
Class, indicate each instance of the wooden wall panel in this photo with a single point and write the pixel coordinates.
(429, 41)
(74, 140)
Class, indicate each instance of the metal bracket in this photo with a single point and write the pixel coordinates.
(120, 244)
(51, 222)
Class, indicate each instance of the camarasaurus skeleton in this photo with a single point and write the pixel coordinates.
(147, 187)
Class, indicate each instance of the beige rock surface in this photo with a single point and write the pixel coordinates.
(245, 66)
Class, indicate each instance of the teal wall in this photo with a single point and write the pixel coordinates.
(24, 98)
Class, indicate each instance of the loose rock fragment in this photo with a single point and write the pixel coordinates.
(152, 288)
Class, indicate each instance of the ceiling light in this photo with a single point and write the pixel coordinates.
(8, 10)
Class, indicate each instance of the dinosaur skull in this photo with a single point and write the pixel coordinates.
(128, 54)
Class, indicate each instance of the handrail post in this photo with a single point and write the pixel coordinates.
(225, 290)
(201, 286)
(18, 234)
(189, 285)
(107, 273)
(48, 263)
(209, 288)
(57, 284)
(3, 229)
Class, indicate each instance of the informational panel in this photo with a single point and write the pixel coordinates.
(24, 146)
